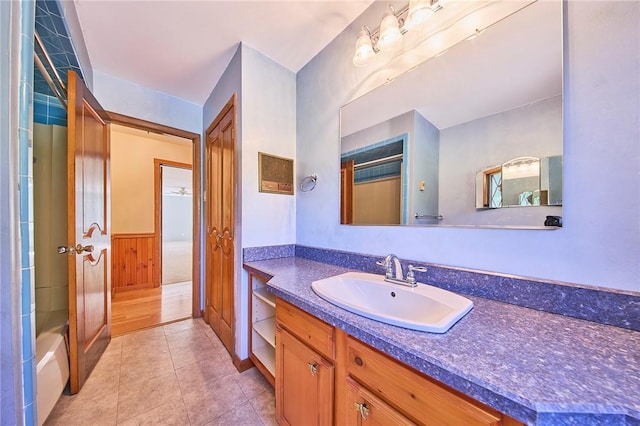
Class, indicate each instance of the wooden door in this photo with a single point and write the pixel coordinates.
(88, 189)
(304, 383)
(346, 192)
(219, 220)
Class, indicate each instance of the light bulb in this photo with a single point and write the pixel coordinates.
(390, 35)
(364, 49)
(420, 11)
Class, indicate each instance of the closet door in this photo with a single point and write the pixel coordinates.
(220, 236)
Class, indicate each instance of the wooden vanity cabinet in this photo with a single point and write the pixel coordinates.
(304, 368)
(413, 395)
(324, 376)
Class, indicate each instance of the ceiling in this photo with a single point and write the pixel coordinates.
(182, 47)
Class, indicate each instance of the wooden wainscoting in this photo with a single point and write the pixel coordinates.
(134, 262)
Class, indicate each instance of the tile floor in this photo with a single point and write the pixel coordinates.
(177, 374)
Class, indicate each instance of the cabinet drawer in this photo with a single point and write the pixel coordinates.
(421, 399)
(365, 409)
(310, 330)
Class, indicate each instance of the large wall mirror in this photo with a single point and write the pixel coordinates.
(472, 136)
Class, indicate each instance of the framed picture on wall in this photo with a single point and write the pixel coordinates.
(275, 174)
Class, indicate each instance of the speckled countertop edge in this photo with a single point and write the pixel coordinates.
(520, 361)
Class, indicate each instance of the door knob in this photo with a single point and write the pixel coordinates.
(80, 248)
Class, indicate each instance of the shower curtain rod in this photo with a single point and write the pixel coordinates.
(379, 161)
(59, 90)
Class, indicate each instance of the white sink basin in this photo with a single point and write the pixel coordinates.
(423, 308)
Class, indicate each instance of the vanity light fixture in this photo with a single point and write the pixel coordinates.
(388, 37)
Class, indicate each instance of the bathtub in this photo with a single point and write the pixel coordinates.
(52, 368)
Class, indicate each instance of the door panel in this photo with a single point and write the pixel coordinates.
(88, 232)
(346, 192)
(220, 214)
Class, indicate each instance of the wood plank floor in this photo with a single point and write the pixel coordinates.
(137, 309)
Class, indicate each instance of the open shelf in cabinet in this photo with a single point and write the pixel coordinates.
(267, 330)
(262, 322)
(266, 296)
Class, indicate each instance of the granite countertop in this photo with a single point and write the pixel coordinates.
(537, 367)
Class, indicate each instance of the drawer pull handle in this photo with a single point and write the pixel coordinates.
(313, 368)
(362, 409)
(358, 361)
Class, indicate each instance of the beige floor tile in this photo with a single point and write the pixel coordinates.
(198, 374)
(81, 410)
(101, 383)
(107, 364)
(243, 415)
(265, 405)
(142, 337)
(147, 395)
(171, 414)
(216, 342)
(221, 396)
(190, 336)
(115, 346)
(252, 382)
(149, 352)
(179, 374)
(185, 356)
(145, 369)
(179, 326)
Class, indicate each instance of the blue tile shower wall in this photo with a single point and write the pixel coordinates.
(25, 141)
(610, 307)
(48, 110)
(53, 32)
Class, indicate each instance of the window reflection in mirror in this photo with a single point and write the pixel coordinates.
(484, 101)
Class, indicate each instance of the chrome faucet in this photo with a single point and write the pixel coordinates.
(393, 271)
(393, 268)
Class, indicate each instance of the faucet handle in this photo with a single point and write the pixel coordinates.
(411, 277)
(417, 268)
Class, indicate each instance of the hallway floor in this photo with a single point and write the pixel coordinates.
(177, 374)
(133, 310)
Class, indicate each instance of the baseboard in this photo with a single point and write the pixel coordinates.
(242, 364)
(132, 287)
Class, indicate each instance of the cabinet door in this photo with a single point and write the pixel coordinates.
(304, 383)
(365, 409)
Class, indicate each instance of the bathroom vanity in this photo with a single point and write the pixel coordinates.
(325, 374)
(500, 364)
